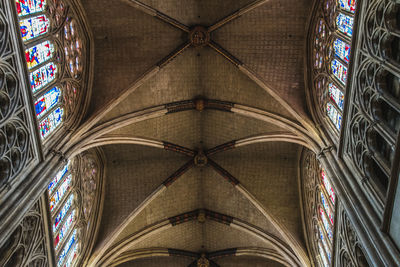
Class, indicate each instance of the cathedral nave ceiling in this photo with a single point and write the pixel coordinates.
(152, 87)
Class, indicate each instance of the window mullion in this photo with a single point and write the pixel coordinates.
(331, 205)
(70, 235)
(62, 243)
(54, 216)
(67, 173)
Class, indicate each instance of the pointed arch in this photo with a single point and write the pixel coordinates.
(330, 55)
(57, 49)
(116, 250)
(75, 202)
(79, 141)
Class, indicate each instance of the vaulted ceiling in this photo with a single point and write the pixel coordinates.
(201, 137)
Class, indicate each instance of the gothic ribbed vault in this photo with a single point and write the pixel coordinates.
(202, 138)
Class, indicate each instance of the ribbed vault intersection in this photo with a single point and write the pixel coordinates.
(199, 107)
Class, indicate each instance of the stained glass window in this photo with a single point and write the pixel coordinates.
(46, 102)
(319, 60)
(321, 234)
(28, 7)
(324, 243)
(326, 219)
(322, 237)
(72, 204)
(328, 187)
(66, 249)
(36, 30)
(57, 179)
(39, 54)
(49, 124)
(334, 115)
(59, 194)
(321, 28)
(65, 208)
(342, 50)
(348, 5)
(336, 95)
(326, 224)
(62, 213)
(326, 207)
(327, 250)
(339, 70)
(341, 13)
(323, 256)
(43, 76)
(72, 257)
(344, 24)
(34, 27)
(64, 229)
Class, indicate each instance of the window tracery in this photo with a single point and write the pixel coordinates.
(27, 244)
(349, 247)
(374, 116)
(331, 52)
(16, 145)
(72, 197)
(54, 53)
(320, 201)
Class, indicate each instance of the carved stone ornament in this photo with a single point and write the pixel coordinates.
(375, 106)
(26, 246)
(89, 179)
(201, 218)
(199, 36)
(349, 247)
(200, 159)
(203, 261)
(16, 149)
(199, 104)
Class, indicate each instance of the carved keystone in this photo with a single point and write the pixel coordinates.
(199, 36)
(200, 159)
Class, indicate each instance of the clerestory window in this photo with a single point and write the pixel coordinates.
(320, 203)
(73, 196)
(332, 50)
(53, 51)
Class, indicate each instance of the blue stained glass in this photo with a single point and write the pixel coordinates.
(339, 70)
(64, 229)
(47, 101)
(49, 124)
(348, 5)
(42, 76)
(323, 240)
(326, 224)
(342, 50)
(57, 179)
(66, 249)
(38, 54)
(72, 257)
(334, 116)
(27, 7)
(336, 95)
(59, 194)
(34, 27)
(62, 213)
(344, 24)
(321, 235)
